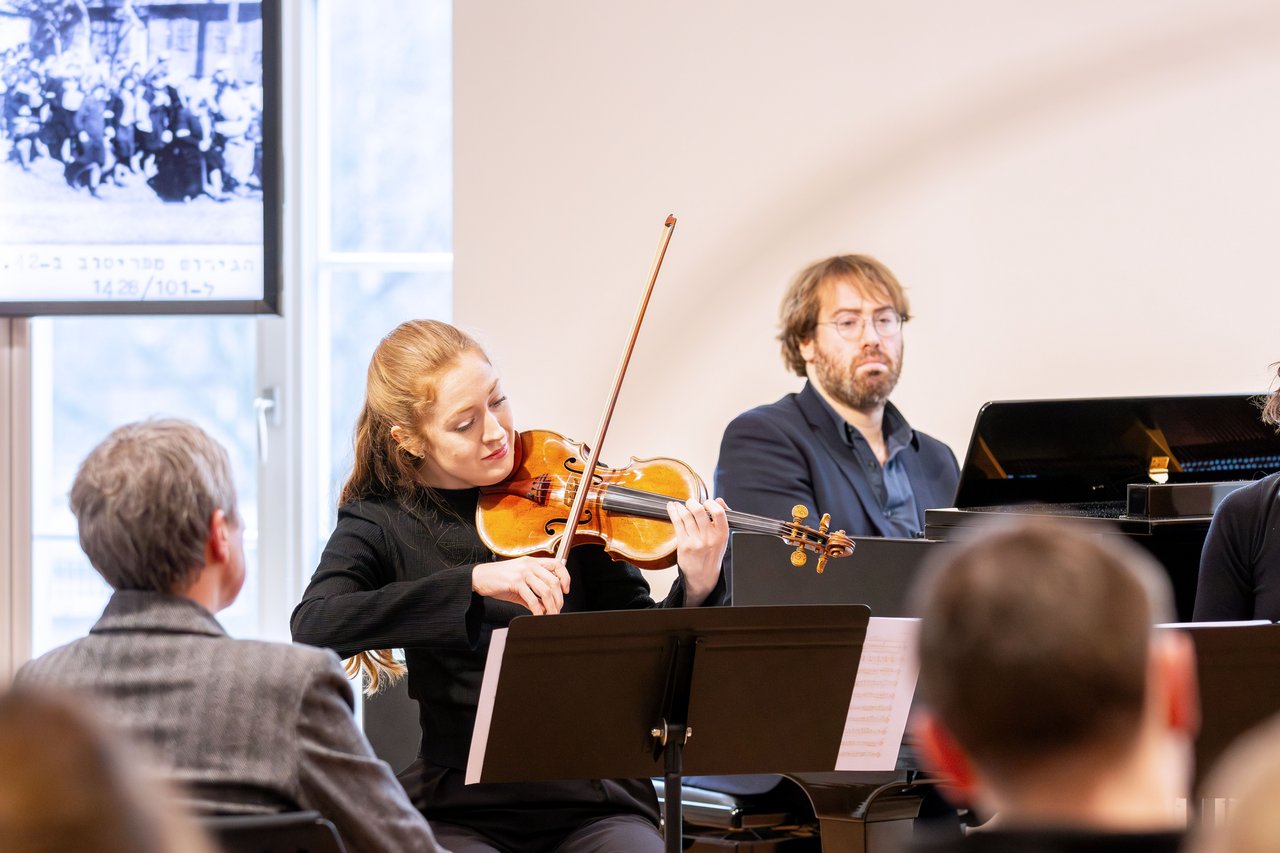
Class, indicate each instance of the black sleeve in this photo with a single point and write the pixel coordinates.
(1225, 589)
(621, 586)
(610, 584)
(355, 602)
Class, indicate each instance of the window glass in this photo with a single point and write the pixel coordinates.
(93, 374)
(391, 126)
(365, 307)
(387, 164)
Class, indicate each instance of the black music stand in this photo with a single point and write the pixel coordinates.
(880, 574)
(619, 694)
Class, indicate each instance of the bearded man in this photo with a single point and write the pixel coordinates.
(839, 446)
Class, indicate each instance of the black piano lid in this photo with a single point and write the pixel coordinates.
(1085, 450)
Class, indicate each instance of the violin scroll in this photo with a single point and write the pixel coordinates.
(826, 545)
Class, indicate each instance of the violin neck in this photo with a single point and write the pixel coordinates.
(622, 499)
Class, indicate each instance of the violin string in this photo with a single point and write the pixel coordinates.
(640, 502)
(653, 505)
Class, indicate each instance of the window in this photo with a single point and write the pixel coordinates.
(385, 247)
(368, 102)
(91, 374)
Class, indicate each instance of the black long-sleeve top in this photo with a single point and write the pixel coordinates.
(1240, 563)
(395, 577)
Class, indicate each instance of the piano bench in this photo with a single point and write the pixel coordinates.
(846, 812)
(775, 822)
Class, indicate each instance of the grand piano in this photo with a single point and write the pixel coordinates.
(1149, 468)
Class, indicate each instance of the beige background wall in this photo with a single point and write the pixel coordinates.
(1082, 198)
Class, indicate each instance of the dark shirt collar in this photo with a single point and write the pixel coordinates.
(895, 426)
(146, 610)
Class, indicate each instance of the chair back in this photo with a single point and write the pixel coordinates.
(288, 832)
(391, 725)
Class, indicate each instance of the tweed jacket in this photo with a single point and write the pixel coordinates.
(242, 726)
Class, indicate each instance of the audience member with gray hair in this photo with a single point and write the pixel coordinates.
(1050, 700)
(241, 726)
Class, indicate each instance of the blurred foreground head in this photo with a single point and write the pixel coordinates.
(1249, 774)
(69, 785)
(1041, 671)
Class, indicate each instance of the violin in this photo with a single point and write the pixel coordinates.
(541, 509)
(625, 509)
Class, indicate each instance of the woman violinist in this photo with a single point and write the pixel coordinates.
(405, 568)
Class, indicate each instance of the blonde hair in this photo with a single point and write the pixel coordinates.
(1271, 406)
(70, 785)
(399, 392)
(803, 299)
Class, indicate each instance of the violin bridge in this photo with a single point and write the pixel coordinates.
(541, 491)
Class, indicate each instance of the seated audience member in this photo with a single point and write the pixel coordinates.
(69, 785)
(1249, 775)
(1240, 564)
(1050, 700)
(243, 727)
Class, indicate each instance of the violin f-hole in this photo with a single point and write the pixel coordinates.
(552, 523)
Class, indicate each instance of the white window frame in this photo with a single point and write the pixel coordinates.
(327, 261)
(292, 356)
(15, 494)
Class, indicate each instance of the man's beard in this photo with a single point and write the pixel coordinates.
(841, 379)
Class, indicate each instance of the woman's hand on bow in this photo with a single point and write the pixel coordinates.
(539, 583)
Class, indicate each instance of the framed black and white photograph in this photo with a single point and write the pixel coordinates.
(140, 165)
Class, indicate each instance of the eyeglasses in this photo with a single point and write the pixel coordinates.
(850, 326)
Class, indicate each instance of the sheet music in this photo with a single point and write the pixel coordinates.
(484, 711)
(881, 696)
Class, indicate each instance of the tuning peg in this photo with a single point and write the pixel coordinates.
(799, 513)
(825, 553)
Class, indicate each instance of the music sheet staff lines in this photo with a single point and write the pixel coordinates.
(881, 698)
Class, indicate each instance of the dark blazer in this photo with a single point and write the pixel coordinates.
(790, 452)
(242, 726)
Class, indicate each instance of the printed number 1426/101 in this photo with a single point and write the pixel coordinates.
(132, 288)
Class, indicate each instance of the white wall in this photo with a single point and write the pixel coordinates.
(1081, 198)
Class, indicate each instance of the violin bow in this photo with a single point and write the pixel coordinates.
(593, 458)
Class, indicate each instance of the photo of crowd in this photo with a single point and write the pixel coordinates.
(184, 138)
(145, 105)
